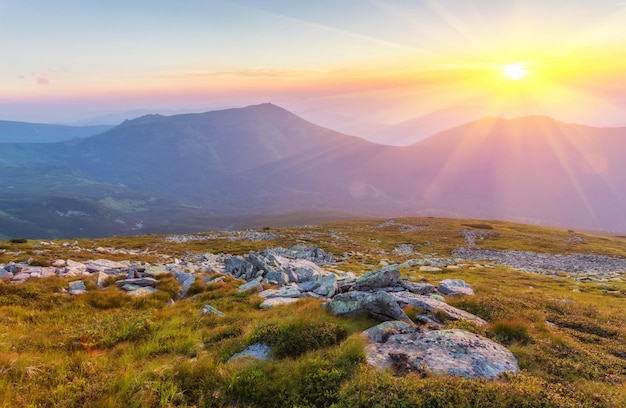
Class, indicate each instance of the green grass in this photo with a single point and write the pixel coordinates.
(105, 348)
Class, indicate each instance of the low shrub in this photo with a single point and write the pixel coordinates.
(292, 339)
(509, 332)
(18, 240)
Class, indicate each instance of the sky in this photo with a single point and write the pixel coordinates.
(366, 62)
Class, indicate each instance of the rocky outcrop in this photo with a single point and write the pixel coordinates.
(441, 352)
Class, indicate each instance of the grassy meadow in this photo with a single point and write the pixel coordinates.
(107, 349)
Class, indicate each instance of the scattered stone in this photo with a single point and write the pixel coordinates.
(143, 291)
(137, 282)
(277, 301)
(252, 285)
(77, 288)
(59, 263)
(210, 309)
(258, 351)
(430, 269)
(210, 281)
(403, 250)
(455, 287)
(442, 352)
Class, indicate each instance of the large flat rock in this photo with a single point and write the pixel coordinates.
(442, 353)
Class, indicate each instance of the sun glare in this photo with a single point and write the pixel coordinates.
(515, 71)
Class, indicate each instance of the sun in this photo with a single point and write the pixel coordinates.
(515, 71)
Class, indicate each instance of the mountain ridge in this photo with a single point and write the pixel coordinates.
(264, 160)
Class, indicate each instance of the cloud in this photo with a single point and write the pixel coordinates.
(42, 80)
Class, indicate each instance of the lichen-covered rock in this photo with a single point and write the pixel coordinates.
(455, 287)
(381, 332)
(379, 305)
(277, 301)
(388, 276)
(442, 352)
(431, 305)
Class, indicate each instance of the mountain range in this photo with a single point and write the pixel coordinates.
(261, 163)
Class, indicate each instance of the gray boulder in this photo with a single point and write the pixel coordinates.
(380, 333)
(443, 353)
(252, 285)
(388, 276)
(454, 287)
(435, 306)
(380, 305)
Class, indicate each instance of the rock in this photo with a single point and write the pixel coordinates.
(277, 301)
(155, 271)
(383, 331)
(130, 287)
(210, 281)
(59, 263)
(210, 309)
(77, 288)
(185, 279)
(143, 291)
(303, 270)
(419, 288)
(102, 279)
(258, 261)
(13, 268)
(308, 286)
(327, 285)
(454, 287)
(252, 285)
(277, 277)
(137, 281)
(4, 274)
(237, 266)
(437, 297)
(435, 306)
(380, 305)
(442, 352)
(290, 291)
(388, 276)
(430, 269)
(102, 264)
(258, 351)
(20, 277)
